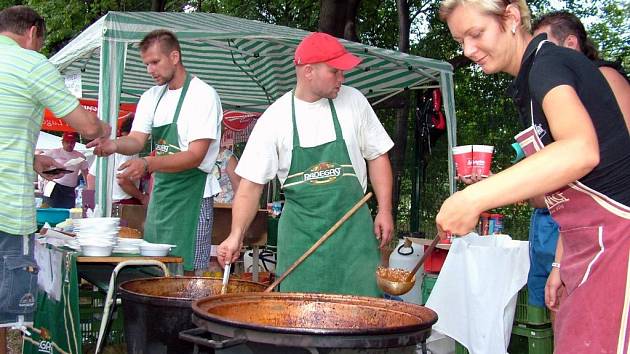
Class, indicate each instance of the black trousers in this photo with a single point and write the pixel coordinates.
(61, 197)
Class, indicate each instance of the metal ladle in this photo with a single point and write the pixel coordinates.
(396, 288)
(226, 278)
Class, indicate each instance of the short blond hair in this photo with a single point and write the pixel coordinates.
(491, 7)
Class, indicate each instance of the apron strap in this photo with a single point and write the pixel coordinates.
(296, 136)
(180, 102)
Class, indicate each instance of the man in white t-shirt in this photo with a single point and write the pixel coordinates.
(183, 116)
(317, 139)
(63, 194)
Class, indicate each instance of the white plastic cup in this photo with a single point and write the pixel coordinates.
(463, 157)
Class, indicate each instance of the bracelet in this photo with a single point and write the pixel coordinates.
(146, 164)
(555, 265)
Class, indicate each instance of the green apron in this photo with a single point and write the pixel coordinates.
(321, 187)
(173, 212)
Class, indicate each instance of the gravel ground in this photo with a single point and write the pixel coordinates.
(14, 345)
(14, 341)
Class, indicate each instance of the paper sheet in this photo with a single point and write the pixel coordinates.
(49, 275)
(48, 188)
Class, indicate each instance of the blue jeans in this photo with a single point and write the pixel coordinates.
(18, 278)
(543, 238)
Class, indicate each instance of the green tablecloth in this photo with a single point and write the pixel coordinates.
(58, 321)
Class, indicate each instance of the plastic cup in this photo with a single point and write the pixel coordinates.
(463, 157)
(482, 159)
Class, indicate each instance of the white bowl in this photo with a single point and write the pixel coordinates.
(126, 249)
(96, 228)
(155, 249)
(93, 250)
(122, 241)
(96, 242)
(95, 222)
(97, 235)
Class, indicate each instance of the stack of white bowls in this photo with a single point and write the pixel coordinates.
(128, 245)
(97, 236)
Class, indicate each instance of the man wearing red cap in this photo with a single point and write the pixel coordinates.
(63, 193)
(317, 139)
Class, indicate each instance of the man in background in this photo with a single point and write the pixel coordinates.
(125, 190)
(63, 193)
(28, 84)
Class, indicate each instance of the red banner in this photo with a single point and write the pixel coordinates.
(238, 126)
(52, 123)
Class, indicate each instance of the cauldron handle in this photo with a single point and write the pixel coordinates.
(192, 335)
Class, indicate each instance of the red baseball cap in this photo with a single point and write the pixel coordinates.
(70, 136)
(320, 47)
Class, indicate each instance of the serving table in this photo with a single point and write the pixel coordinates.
(57, 323)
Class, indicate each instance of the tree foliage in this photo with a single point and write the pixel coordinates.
(484, 112)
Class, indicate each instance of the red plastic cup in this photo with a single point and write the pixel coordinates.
(482, 159)
(463, 157)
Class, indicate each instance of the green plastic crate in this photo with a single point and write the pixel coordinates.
(530, 315)
(272, 231)
(524, 340)
(531, 340)
(427, 286)
(91, 305)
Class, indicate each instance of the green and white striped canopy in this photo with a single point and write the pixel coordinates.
(249, 63)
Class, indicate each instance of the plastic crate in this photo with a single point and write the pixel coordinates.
(272, 231)
(531, 340)
(53, 216)
(530, 315)
(427, 286)
(524, 340)
(435, 261)
(91, 305)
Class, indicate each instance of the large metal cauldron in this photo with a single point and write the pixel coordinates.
(299, 322)
(157, 309)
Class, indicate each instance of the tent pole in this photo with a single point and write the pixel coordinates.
(113, 54)
(448, 97)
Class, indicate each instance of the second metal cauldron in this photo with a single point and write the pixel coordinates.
(157, 309)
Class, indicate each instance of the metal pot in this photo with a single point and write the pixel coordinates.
(300, 320)
(157, 309)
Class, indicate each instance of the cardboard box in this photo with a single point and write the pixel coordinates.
(133, 216)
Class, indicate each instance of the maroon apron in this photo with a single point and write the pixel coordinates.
(595, 233)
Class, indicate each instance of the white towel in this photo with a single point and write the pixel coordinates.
(475, 294)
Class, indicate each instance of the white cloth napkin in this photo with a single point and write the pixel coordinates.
(475, 293)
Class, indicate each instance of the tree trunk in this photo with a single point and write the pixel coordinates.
(337, 18)
(158, 5)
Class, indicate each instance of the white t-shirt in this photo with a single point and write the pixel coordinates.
(117, 192)
(62, 156)
(268, 149)
(199, 118)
